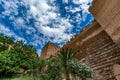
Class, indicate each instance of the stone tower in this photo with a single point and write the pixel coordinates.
(48, 50)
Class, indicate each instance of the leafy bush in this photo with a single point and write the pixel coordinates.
(79, 70)
(52, 70)
(15, 55)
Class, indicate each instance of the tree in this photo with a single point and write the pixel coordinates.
(70, 65)
(64, 65)
(52, 70)
(15, 55)
(9, 63)
(64, 56)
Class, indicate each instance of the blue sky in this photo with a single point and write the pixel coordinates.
(39, 21)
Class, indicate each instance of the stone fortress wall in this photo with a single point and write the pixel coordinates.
(99, 43)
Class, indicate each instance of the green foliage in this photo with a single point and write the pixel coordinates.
(15, 55)
(72, 66)
(41, 63)
(64, 56)
(8, 62)
(6, 39)
(52, 70)
(64, 65)
(2, 48)
(79, 70)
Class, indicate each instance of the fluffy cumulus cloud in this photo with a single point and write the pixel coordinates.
(4, 30)
(40, 21)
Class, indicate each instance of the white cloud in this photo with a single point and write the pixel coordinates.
(65, 1)
(19, 22)
(83, 5)
(44, 15)
(48, 21)
(10, 7)
(8, 32)
(82, 1)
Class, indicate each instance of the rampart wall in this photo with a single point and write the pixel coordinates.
(99, 43)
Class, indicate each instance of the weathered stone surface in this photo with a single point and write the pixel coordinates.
(48, 50)
(99, 43)
(79, 42)
(97, 50)
(107, 13)
(116, 71)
